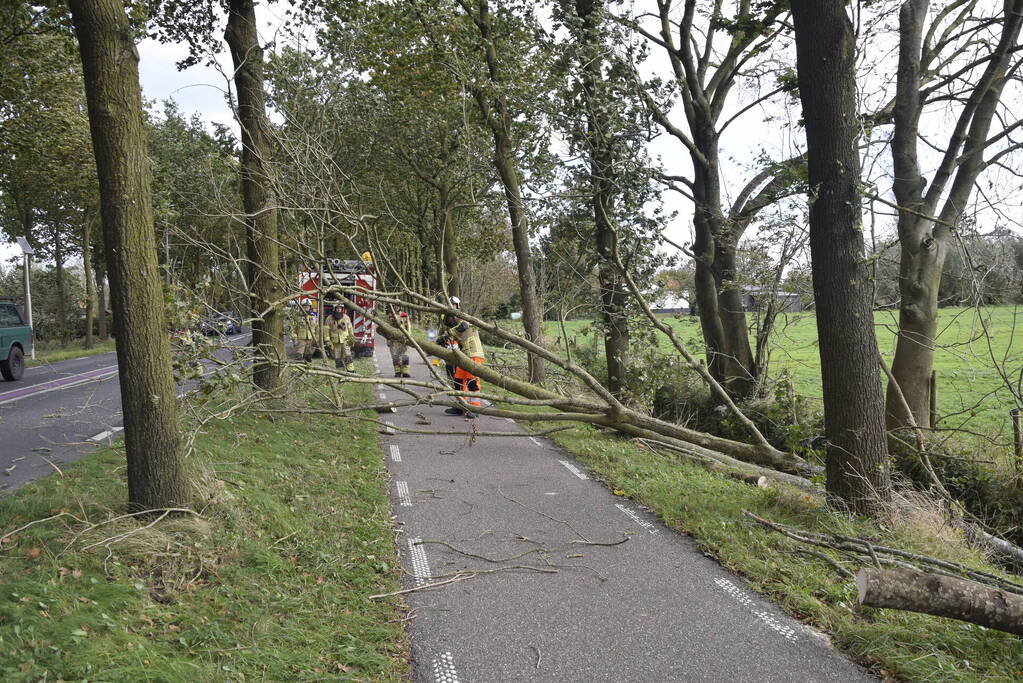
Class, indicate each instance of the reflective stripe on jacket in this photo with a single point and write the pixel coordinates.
(468, 339)
(341, 331)
(302, 325)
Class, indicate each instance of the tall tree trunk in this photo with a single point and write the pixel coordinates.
(58, 259)
(156, 467)
(719, 305)
(857, 460)
(261, 220)
(924, 243)
(603, 181)
(499, 120)
(448, 256)
(101, 304)
(87, 268)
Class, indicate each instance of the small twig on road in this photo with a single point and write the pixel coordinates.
(455, 579)
(537, 654)
(544, 514)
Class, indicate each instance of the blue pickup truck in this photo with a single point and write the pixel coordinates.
(15, 341)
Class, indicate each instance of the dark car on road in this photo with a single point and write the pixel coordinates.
(15, 341)
(220, 323)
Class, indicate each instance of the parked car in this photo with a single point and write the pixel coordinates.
(15, 341)
(232, 324)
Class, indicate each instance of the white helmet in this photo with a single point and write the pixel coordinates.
(456, 302)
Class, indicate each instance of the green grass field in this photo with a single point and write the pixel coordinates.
(971, 392)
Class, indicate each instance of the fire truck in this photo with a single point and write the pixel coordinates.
(355, 273)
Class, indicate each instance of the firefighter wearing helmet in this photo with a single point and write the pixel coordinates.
(399, 347)
(468, 338)
(302, 325)
(342, 337)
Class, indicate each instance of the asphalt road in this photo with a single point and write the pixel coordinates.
(58, 413)
(556, 605)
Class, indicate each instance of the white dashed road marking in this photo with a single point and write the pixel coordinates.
(536, 442)
(420, 567)
(637, 519)
(745, 600)
(573, 469)
(444, 669)
(107, 433)
(403, 496)
(395, 454)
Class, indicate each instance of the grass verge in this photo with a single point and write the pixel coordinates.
(51, 352)
(269, 582)
(708, 507)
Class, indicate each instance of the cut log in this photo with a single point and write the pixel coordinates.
(941, 596)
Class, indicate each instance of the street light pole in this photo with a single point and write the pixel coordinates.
(27, 251)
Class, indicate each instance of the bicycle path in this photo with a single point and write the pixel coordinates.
(574, 583)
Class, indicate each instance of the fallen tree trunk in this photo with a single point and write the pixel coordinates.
(941, 596)
(604, 409)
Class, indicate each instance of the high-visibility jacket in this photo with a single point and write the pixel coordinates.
(402, 322)
(340, 331)
(303, 325)
(468, 339)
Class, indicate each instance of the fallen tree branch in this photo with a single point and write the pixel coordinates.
(941, 596)
(879, 554)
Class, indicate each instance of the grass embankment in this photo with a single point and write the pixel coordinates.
(971, 392)
(53, 352)
(708, 507)
(270, 582)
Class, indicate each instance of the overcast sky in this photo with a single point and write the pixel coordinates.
(202, 90)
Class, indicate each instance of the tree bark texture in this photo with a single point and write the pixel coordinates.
(90, 294)
(261, 213)
(156, 467)
(857, 459)
(58, 261)
(924, 243)
(101, 304)
(603, 179)
(941, 596)
(447, 246)
(499, 120)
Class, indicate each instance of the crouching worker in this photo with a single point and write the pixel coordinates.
(399, 346)
(469, 342)
(342, 337)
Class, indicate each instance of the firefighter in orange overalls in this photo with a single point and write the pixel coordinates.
(468, 338)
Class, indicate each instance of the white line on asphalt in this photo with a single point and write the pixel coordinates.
(536, 442)
(420, 567)
(745, 600)
(510, 420)
(103, 435)
(444, 669)
(395, 454)
(637, 519)
(94, 378)
(403, 497)
(573, 469)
